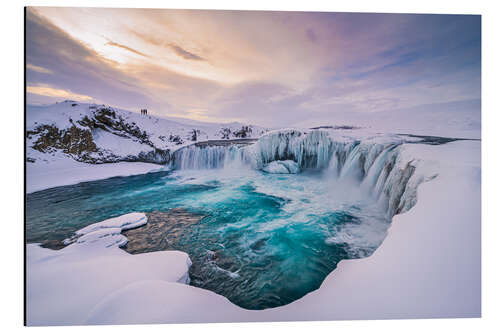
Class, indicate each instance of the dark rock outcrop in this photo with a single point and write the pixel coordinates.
(78, 141)
(74, 140)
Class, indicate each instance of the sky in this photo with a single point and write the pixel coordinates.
(265, 68)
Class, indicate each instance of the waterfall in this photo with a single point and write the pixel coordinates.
(310, 150)
(206, 157)
(378, 168)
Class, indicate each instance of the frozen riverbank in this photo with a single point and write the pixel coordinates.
(65, 171)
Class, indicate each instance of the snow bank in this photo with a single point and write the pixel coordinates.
(157, 302)
(59, 171)
(460, 119)
(118, 145)
(64, 286)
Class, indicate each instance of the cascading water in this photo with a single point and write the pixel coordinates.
(377, 168)
(195, 157)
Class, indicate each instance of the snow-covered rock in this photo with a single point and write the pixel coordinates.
(108, 232)
(123, 222)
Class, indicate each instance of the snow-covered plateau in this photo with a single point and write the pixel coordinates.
(428, 265)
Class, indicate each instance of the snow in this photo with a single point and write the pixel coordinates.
(64, 286)
(165, 302)
(118, 145)
(60, 170)
(429, 266)
(456, 119)
(123, 222)
(108, 232)
(461, 119)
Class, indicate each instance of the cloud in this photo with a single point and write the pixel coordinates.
(183, 53)
(268, 68)
(148, 38)
(38, 69)
(78, 69)
(111, 43)
(54, 92)
(160, 42)
(75, 67)
(154, 40)
(311, 35)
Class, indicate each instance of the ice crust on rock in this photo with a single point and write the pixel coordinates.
(285, 167)
(108, 232)
(123, 222)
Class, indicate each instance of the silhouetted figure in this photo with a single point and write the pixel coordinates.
(144, 111)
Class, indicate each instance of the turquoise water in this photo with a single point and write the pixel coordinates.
(265, 240)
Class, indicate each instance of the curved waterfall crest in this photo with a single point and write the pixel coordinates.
(379, 168)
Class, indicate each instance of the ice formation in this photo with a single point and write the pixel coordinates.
(287, 166)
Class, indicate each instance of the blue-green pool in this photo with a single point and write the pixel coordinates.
(265, 240)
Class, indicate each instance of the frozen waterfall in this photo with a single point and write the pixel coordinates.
(379, 168)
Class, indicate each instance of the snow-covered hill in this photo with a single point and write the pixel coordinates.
(99, 134)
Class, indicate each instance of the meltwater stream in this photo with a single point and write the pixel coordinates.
(264, 239)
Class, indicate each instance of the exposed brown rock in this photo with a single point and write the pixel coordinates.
(161, 227)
